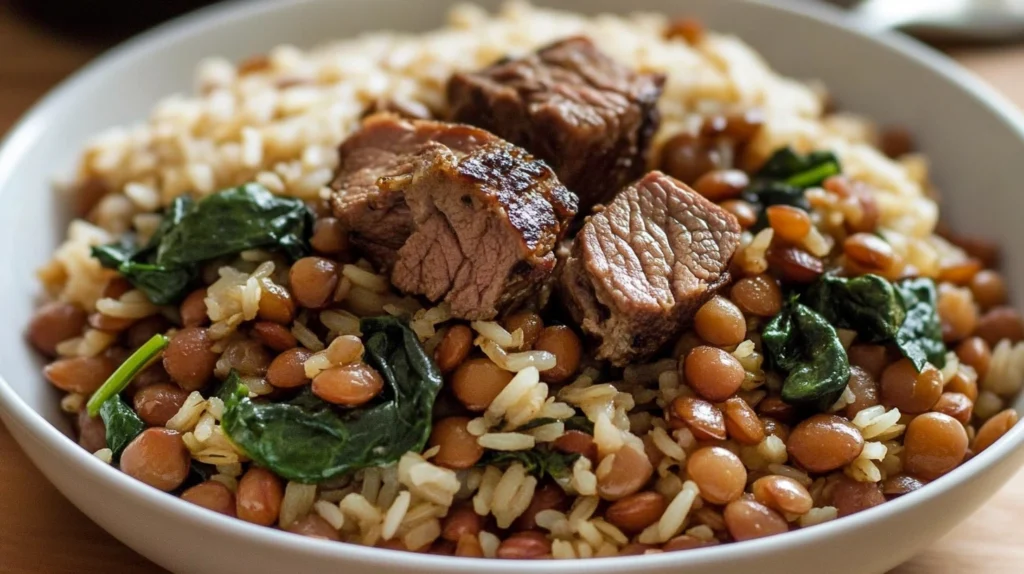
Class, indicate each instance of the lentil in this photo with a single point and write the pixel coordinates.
(565, 345)
(713, 373)
(823, 443)
(719, 474)
(157, 457)
(934, 444)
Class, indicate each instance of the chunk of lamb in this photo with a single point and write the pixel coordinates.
(589, 117)
(486, 225)
(385, 147)
(640, 268)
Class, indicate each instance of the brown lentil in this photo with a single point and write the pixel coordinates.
(286, 371)
(156, 404)
(934, 444)
(782, 494)
(989, 289)
(548, 496)
(686, 542)
(576, 442)
(957, 311)
(144, 329)
(713, 373)
(775, 428)
(795, 264)
(687, 157)
(776, 408)
(823, 443)
(247, 356)
(720, 322)
(964, 383)
(531, 324)
(629, 472)
(636, 512)
(189, 359)
(1000, 323)
(313, 280)
(276, 304)
(747, 520)
(850, 496)
(872, 358)
(741, 422)
(959, 273)
(274, 335)
(899, 485)
(157, 457)
(703, 419)
(994, 428)
(211, 495)
(759, 295)
(524, 545)
(329, 236)
(909, 391)
(468, 546)
(92, 433)
(193, 309)
(458, 448)
(109, 324)
(313, 526)
(349, 385)
(259, 496)
(790, 223)
(870, 251)
(461, 520)
(719, 474)
(742, 211)
(864, 389)
(956, 405)
(81, 375)
(974, 351)
(565, 345)
(722, 184)
(477, 381)
(453, 348)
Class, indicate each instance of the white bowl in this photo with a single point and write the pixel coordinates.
(974, 138)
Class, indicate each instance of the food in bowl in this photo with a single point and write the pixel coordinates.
(534, 285)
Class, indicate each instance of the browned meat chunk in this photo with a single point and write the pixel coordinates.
(385, 147)
(589, 117)
(486, 227)
(640, 268)
(451, 211)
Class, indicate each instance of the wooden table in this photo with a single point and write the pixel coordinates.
(42, 532)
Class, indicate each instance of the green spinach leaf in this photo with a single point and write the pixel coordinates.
(920, 336)
(225, 223)
(801, 343)
(784, 178)
(904, 313)
(867, 304)
(539, 461)
(122, 424)
(310, 441)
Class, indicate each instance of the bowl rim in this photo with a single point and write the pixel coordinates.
(17, 412)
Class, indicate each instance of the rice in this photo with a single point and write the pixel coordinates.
(395, 515)
(297, 502)
(507, 441)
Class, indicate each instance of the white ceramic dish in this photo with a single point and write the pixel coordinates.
(974, 138)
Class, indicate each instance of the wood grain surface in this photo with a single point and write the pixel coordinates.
(42, 532)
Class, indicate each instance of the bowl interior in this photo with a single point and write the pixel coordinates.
(972, 145)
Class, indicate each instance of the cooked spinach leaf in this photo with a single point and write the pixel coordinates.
(122, 424)
(903, 313)
(801, 343)
(233, 220)
(225, 223)
(539, 461)
(920, 336)
(310, 441)
(784, 178)
(868, 304)
(800, 170)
